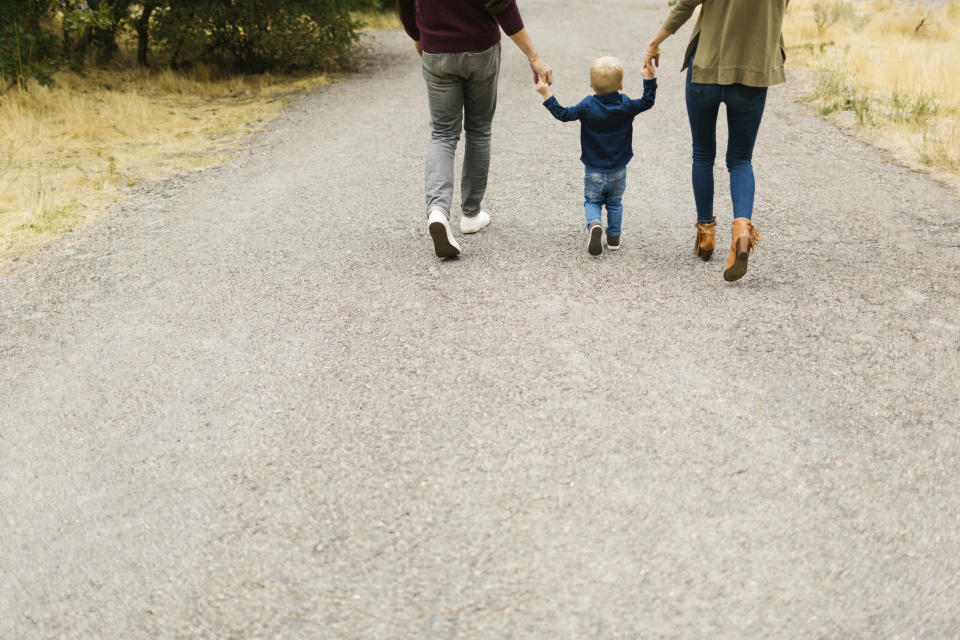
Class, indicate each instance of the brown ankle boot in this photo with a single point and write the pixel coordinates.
(745, 238)
(706, 240)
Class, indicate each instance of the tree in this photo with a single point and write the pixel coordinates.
(143, 32)
(93, 23)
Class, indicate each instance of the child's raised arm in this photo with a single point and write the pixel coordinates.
(649, 95)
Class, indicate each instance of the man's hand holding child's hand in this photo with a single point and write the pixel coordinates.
(543, 88)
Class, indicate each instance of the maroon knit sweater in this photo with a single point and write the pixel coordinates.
(456, 26)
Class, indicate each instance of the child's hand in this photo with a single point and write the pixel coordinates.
(649, 72)
(543, 88)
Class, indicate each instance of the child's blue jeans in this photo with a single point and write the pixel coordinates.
(605, 188)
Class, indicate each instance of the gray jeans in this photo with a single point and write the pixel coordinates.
(462, 91)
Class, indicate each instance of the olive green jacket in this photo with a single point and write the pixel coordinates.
(737, 41)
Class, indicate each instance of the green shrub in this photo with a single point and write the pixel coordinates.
(91, 26)
(256, 35)
(26, 50)
(826, 14)
(249, 36)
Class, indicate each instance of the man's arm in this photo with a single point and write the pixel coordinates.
(407, 11)
(540, 68)
(507, 15)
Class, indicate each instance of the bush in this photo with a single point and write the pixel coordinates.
(249, 36)
(256, 35)
(92, 25)
(26, 51)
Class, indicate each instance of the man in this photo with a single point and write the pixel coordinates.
(459, 43)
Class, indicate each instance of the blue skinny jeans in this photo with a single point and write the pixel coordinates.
(744, 112)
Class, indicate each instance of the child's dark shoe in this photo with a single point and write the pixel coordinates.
(613, 243)
(595, 242)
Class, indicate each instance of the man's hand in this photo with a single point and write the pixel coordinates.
(543, 89)
(541, 71)
(419, 47)
(540, 68)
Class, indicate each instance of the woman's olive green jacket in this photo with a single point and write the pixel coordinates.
(737, 41)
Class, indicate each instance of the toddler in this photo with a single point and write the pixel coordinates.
(606, 137)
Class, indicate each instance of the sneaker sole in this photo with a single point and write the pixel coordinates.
(441, 242)
(614, 247)
(595, 247)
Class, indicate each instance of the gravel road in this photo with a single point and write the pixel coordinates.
(252, 403)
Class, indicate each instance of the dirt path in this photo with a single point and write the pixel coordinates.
(254, 404)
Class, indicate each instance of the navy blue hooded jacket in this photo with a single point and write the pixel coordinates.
(606, 125)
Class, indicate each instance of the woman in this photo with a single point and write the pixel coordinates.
(736, 52)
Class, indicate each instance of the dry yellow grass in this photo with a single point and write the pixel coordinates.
(372, 20)
(67, 151)
(888, 69)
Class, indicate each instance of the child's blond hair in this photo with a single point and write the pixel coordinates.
(606, 74)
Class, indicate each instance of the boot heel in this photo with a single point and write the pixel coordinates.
(745, 238)
(706, 240)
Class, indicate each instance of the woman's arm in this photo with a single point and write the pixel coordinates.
(653, 49)
(677, 18)
(680, 14)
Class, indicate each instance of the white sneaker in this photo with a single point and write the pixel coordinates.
(472, 224)
(444, 243)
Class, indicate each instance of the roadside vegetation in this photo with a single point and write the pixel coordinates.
(97, 97)
(887, 69)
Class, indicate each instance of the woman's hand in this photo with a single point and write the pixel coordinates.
(651, 62)
(652, 57)
(653, 49)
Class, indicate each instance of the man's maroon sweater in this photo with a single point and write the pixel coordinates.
(456, 26)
